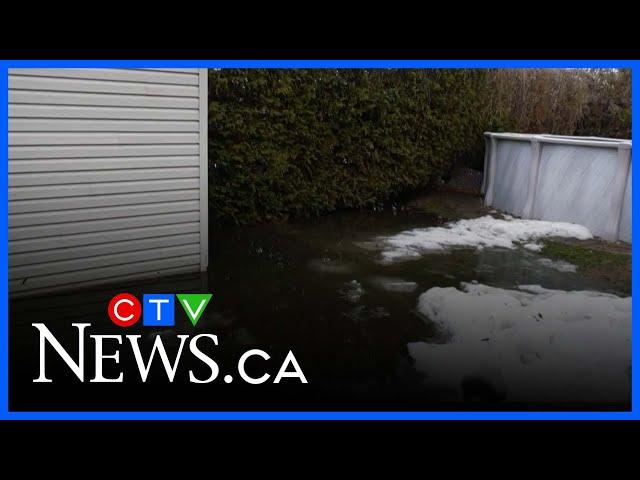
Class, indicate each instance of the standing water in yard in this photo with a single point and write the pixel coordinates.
(433, 304)
(438, 304)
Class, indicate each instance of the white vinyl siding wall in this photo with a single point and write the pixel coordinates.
(107, 176)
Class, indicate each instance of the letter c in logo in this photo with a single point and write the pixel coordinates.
(124, 310)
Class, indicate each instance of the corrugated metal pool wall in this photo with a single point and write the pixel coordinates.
(584, 180)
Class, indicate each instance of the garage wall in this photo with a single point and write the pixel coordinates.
(107, 176)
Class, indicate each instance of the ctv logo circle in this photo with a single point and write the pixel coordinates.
(124, 310)
(156, 309)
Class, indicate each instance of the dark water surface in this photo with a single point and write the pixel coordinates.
(312, 287)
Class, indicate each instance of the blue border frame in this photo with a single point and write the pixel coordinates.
(5, 414)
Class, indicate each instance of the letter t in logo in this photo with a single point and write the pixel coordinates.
(158, 310)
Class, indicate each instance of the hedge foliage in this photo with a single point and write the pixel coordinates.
(588, 102)
(299, 143)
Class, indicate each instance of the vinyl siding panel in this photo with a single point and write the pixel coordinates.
(131, 173)
(45, 244)
(92, 151)
(57, 204)
(21, 111)
(83, 190)
(107, 176)
(93, 99)
(93, 164)
(70, 84)
(97, 138)
(94, 125)
(39, 257)
(87, 277)
(99, 261)
(157, 77)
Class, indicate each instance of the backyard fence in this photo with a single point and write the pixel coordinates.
(584, 180)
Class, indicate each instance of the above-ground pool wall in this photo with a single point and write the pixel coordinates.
(513, 163)
(625, 220)
(582, 180)
(107, 176)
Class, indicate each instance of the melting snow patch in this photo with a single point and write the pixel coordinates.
(529, 344)
(559, 265)
(534, 247)
(476, 233)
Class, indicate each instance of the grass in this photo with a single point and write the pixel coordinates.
(594, 260)
(585, 256)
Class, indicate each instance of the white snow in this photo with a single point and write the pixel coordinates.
(476, 233)
(534, 247)
(531, 344)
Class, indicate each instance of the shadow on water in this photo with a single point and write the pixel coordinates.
(314, 287)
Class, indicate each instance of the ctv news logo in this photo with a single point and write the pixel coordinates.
(156, 310)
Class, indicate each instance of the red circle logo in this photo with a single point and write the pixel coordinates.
(124, 310)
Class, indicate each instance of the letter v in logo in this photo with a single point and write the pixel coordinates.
(194, 304)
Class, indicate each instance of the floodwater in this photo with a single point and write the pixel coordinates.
(317, 288)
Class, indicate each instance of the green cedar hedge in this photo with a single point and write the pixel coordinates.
(299, 143)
